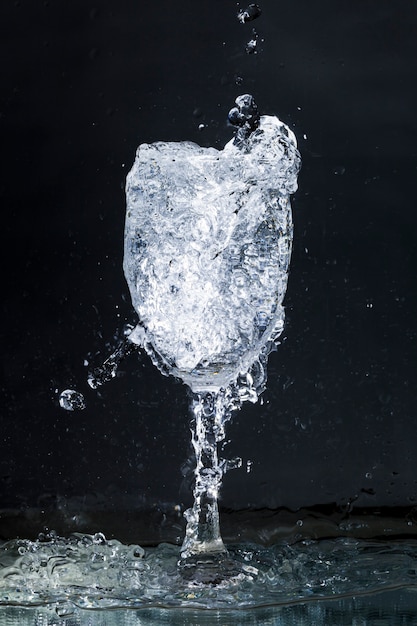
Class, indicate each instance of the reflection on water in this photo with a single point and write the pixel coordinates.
(390, 608)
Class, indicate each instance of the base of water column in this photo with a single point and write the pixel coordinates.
(213, 569)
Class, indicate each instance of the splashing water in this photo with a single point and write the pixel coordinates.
(91, 572)
(208, 241)
(107, 371)
(207, 247)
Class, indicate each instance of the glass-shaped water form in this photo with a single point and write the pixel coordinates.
(207, 250)
(208, 241)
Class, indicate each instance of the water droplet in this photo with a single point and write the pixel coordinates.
(251, 46)
(244, 115)
(127, 330)
(201, 126)
(71, 400)
(249, 466)
(300, 522)
(368, 475)
(252, 12)
(234, 463)
(339, 170)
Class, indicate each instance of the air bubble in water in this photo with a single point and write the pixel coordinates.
(99, 539)
(71, 400)
(252, 12)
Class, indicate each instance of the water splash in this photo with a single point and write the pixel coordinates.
(91, 572)
(207, 247)
(207, 266)
(208, 241)
(108, 370)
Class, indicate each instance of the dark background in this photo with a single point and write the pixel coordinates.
(82, 85)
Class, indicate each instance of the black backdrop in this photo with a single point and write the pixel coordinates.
(82, 85)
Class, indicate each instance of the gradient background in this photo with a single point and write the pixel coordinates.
(82, 85)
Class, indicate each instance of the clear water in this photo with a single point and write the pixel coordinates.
(391, 608)
(208, 240)
(90, 572)
(207, 248)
